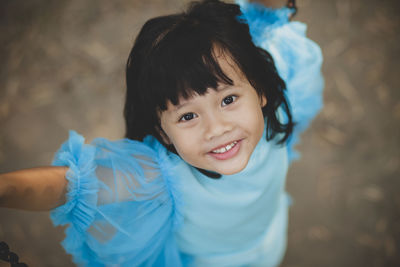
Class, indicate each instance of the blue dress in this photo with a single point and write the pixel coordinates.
(133, 203)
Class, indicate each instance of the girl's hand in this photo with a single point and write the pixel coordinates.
(37, 189)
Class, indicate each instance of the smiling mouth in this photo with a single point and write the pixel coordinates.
(224, 148)
(227, 151)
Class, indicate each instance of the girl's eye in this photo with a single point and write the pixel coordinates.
(187, 117)
(228, 100)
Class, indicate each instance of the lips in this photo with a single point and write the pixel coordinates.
(226, 151)
(225, 148)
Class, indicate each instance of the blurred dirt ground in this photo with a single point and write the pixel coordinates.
(62, 67)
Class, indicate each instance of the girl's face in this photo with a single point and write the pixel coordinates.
(217, 131)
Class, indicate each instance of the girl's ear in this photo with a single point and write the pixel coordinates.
(263, 101)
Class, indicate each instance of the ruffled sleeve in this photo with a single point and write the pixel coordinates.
(122, 205)
(297, 59)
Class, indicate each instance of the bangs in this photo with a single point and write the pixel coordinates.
(186, 64)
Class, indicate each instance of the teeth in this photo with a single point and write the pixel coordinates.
(226, 148)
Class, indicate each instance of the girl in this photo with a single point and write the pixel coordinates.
(199, 178)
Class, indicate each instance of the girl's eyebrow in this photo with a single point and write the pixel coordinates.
(219, 89)
(223, 87)
(179, 106)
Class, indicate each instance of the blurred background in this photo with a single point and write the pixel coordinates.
(62, 67)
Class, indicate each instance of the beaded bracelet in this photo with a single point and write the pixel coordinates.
(9, 256)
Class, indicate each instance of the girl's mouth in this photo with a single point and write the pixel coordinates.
(227, 151)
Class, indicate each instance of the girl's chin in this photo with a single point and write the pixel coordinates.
(230, 170)
(222, 171)
(228, 167)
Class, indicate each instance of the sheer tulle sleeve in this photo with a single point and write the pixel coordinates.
(122, 205)
(297, 58)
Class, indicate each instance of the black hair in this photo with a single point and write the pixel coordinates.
(173, 56)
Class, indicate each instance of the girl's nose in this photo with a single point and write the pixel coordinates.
(216, 125)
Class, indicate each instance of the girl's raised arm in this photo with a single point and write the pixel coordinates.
(297, 59)
(38, 189)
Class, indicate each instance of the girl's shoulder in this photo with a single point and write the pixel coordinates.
(120, 198)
